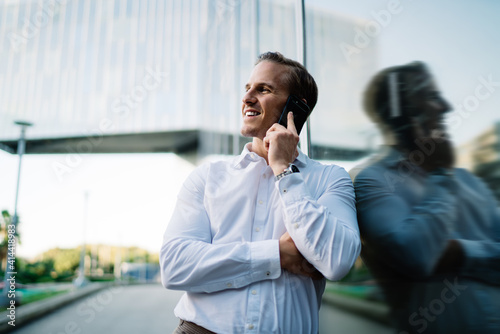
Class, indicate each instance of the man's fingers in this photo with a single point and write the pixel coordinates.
(291, 123)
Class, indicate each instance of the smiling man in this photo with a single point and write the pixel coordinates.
(253, 238)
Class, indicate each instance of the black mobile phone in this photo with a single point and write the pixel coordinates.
(300, 112)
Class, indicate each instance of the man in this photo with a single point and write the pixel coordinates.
(430, 232)
(252, 239)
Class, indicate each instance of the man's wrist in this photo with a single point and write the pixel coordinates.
(278, 169)
(287, 171)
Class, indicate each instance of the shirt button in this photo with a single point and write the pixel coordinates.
(229, 285)
(296, 225)
(257, 229)
(284, 190)
(268, 273)
(250, 326)
(260, 202)
(254, 292)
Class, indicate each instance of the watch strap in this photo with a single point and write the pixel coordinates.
(290, 170)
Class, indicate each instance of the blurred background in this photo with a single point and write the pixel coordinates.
(126, 97)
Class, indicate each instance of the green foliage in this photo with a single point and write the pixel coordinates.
(358, 273)
(36, 272)
(41, 295)
(66, 261)
(59, 264)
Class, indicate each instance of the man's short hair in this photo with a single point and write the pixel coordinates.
(300, 81)
(377, 95)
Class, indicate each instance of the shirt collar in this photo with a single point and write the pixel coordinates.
(394, 158)
(248, 156)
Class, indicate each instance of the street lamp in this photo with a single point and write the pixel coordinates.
(81, 281)
(10, 269)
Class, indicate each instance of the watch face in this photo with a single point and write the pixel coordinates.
(294, 169)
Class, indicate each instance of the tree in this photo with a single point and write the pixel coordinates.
(5, 221)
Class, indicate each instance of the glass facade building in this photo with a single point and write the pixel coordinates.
(79, 68)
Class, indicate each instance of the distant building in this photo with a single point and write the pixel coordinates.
(140, 272)
(481, 156)
(168, 75)
(486, 158)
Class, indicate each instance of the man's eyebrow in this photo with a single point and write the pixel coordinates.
(261, 84)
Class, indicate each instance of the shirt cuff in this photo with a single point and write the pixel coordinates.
(265, 257)
(290, 189)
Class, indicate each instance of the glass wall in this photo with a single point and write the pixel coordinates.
(78, 67)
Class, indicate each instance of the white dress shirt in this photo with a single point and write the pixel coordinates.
(221, 245)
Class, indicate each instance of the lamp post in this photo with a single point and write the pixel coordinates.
(8, 296)
(81, 281)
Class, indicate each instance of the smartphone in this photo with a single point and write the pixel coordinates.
(300, 112)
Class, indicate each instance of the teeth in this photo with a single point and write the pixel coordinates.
(251, 113)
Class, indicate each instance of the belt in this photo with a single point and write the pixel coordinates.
(187, 327)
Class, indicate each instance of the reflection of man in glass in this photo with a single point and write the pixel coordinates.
(430, 232)
(252, 237)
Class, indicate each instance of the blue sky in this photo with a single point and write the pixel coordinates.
(459, 40)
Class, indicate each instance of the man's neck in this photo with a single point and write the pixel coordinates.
(258, 148)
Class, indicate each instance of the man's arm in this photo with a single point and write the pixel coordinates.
(410, 239)
(190, 262)
(481, 257)
(324, 231)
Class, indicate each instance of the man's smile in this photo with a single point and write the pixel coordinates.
(251, 112)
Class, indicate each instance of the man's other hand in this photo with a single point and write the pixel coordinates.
(292, 261)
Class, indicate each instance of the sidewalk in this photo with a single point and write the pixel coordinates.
(26, 313)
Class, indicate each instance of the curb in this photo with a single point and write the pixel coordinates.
(372, 310)
(32, 311)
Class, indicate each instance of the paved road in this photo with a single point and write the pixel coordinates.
(141, 309)
(333, 320)
(148, 309)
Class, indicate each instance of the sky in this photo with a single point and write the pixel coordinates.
(131, 197)
(458, 39)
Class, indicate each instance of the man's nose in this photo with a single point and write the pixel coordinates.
(248, 98)
(445, 106)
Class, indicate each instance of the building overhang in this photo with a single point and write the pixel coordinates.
(182, 141)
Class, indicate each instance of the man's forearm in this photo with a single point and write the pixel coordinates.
(198, 266)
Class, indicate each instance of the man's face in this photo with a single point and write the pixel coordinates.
(429, 106)
(265, 98)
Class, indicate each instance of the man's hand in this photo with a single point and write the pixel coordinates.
(292, 261)
(281, 145)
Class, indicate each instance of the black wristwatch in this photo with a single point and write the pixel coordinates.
(290, 170)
